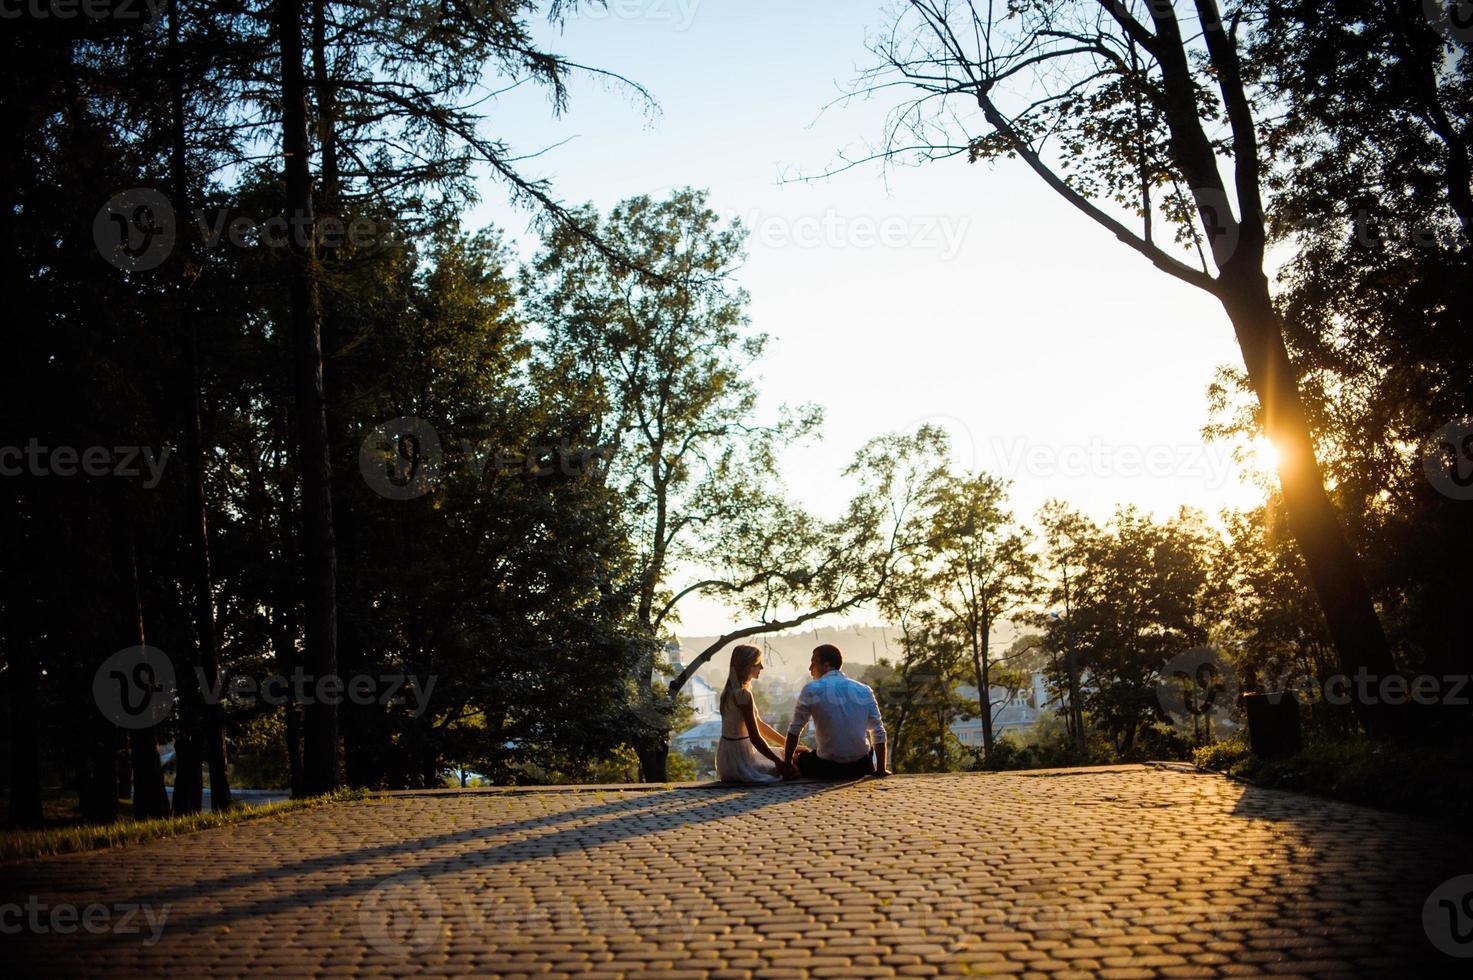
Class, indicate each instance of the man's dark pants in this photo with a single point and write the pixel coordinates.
(811, 766)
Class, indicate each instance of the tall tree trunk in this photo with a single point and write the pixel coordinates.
(97, 767)
(283, 633)
(1076, 709)
(22, 679)
(189, 757)
(95, 746)
(123, 763)
(363, 732)
(1238, 246)
(327, 110)
(204, 740)
(296, 770)
(284, 627)
(23, 684)
(212, 716)
(982, 670)
(1071, 666)
(1333, 567)
(654, 760)
(189, 738)
(319, 553)
(150, 799)
(652, 748)
(940, 736)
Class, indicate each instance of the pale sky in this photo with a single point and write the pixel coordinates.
(966, 295)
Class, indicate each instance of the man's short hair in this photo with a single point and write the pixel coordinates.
(829, 656)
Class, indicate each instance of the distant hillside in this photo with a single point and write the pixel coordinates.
(787, 654)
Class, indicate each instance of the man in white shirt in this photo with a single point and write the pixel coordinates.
(846, 721)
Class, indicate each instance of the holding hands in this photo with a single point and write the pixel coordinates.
(845, 714)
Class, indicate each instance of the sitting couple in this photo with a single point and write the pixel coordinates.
(846, 721)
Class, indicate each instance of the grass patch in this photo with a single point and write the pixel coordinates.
(21, 844)
(1431, 780)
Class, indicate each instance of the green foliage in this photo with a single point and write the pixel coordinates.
(1062, 83)
(619, 766)
(1376, 214)
(1157, 742)
(697, 764)
(1139, 592)
(970, 568)
(1008, 753)
(1048, 746)
(647, 332)
(259, 759)
(1270, 626)
(1222, 754)
(656, 357)
(684, 769)
(505, 576)
(1429, 779)
(22, 844)
(919, 705)
(509, 591)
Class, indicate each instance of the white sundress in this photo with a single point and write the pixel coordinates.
(737, 759)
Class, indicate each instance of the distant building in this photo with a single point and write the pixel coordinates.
(701, 736)
(1012, 711)
(704, 699)
(705, 702)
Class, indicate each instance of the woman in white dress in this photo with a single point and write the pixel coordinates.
(745, 754)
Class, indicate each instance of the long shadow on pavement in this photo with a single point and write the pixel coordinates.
(631, 819)
(632, 803)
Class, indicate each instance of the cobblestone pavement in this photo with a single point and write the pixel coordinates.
(1118, 872)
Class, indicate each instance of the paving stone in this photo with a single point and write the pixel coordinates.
(1124, 871)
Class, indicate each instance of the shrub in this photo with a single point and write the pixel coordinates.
(1222, 754)
(1426, 778)
(1160, 742)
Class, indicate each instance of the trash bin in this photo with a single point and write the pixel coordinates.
(1273, 724)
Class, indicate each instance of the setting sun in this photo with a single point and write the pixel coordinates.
(1263, 459)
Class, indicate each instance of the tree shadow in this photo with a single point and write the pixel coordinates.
(631, 801)
(631, 818)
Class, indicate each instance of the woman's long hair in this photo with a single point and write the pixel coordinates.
(742, 659)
